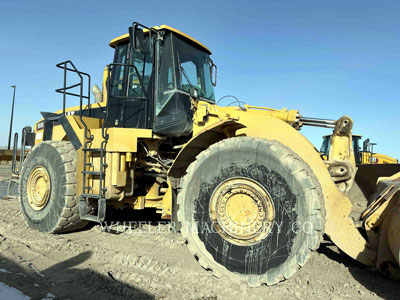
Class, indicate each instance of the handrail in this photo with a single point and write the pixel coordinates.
(64, 65)
(14, 156)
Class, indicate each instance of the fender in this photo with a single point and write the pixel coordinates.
(201, 141)
(338, 224)
(50, 118)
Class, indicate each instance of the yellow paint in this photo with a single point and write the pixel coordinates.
(393, 235)
(115, 168)
(241, 211)
(129, 157)
(121, 139)
(38, 188)
(377, 158)
(208, 114)
(104, 85)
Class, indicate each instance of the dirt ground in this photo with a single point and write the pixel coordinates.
(149, 261)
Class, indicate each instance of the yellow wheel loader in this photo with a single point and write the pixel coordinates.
(250, 194)
(364, 155)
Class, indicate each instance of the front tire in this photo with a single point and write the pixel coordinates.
(48, 188)
(235, 191)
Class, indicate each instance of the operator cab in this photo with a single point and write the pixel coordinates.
(151, 81)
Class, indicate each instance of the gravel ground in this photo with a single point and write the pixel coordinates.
(151, 262)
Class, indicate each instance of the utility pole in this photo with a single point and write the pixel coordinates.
(12, 116)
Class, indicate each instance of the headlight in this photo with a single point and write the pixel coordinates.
(40, 125)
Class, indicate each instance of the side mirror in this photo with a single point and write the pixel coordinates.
(365, 145)
(194, 93)
(213, 73)
(98, 95)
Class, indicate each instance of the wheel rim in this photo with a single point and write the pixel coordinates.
(241, 211)
(38, 188)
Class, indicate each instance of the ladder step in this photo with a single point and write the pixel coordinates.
(93, 196)
(91, 172)
(101, 209)
(92, 218)
(92, 149)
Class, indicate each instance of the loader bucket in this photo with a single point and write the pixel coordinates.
(393, 231)
(367, 176)
(381, 218)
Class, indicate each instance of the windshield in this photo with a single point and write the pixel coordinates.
(181, 66)
(325, 146)
(193, 69)
(136, 80)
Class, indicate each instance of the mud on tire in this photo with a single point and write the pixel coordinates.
(61, 213)
(297, 199)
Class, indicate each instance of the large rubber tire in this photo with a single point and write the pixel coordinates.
(298, 205)
(61, 213)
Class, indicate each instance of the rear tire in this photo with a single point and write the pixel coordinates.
(60, 212)
(297, 204)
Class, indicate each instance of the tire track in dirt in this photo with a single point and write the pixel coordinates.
(99, 265)
(124, 267)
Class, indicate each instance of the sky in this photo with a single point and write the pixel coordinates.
(323, 58)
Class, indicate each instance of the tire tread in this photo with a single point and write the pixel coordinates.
(300, 170)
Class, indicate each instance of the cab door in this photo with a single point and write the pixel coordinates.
(129, 89)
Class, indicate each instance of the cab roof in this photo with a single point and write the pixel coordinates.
(125, 37)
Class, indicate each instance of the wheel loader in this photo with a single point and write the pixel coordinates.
(364, 155)
(250, 194)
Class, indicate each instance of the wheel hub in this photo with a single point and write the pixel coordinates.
(38, 188)
(241, 211)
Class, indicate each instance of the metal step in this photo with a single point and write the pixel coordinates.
(92, 218)
(92, 149)
(91, 196)
(91, 173)
(101, 209)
